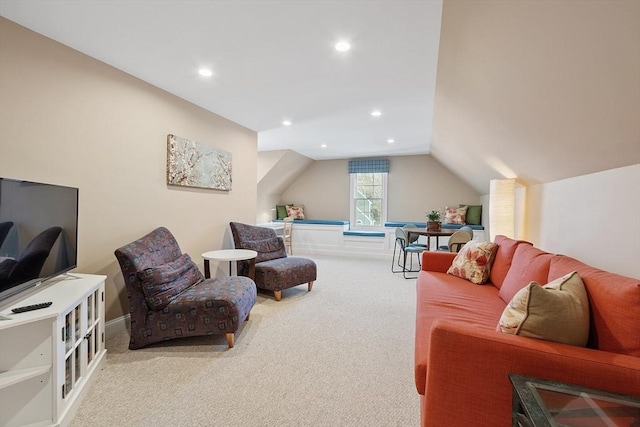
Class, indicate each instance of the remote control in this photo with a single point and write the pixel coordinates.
(31, 307)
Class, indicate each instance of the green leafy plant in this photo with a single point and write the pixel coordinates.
(434, 215)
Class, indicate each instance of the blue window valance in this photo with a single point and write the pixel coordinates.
(369, 166)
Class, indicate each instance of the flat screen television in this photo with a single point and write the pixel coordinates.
(38, 233)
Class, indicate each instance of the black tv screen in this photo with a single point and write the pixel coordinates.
(38, 233)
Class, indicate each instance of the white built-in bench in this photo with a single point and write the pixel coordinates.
(315, 236)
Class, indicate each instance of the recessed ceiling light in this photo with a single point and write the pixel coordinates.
(342, 46)
(376, 113)
(205, 72)
(323, 146)
(286, 123)
(391, 141)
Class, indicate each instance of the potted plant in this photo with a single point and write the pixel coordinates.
(433, 221)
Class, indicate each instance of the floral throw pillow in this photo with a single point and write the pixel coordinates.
(455, 215)
(473, 262)
(297, 212)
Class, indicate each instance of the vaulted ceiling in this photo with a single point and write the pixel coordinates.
(271, 61)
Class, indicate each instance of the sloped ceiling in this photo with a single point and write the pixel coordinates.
(278, 168)
(538, 91)
(271, 60)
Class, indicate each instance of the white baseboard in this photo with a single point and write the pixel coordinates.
(119, 324)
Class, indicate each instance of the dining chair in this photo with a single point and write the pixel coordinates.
(287, 233)
(407, 247)
(459, 241)
(469, 230)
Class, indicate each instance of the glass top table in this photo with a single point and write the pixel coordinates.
(538, 402)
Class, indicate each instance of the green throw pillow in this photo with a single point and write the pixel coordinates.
(281, 211)
(474, 214)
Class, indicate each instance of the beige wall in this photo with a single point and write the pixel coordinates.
(593, 218)
(68, 119)
(323, 189)
(416, 184)
(277, 169)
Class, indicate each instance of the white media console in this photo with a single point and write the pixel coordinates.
(49, 356)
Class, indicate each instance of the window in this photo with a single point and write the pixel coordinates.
(368, 193)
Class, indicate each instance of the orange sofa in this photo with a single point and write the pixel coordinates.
(462, 362)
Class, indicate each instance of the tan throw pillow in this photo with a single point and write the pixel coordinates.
(297, 212)
(557, 311)
(455, 215)
(473, 262)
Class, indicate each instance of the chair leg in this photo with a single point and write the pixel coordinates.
(310, 286)
(230, 338)
(393, 259)
(398, 261)
(278, 295)
(410, 269)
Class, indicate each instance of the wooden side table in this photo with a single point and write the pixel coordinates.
(543, 403)
(230, 255)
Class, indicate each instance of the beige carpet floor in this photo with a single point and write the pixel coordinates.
(340, 355)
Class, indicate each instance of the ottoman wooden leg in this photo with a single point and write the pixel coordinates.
(247, 318)
(310, 286)
(278, 295)
(230, 339)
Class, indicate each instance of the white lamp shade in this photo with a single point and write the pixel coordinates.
(502, 201)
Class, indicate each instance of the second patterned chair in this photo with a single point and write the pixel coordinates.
(274, 270)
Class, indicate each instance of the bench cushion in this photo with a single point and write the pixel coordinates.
(318, 221)
(364, 233)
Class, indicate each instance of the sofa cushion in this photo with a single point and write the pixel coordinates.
(529, 264)
(473, 262)
(614, 302)
(455, 215)
(557, 311)
(162, 284)
(442, 296)
(504, 256)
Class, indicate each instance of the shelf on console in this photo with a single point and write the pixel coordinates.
(10, 378)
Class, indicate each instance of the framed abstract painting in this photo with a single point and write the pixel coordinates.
(192, 164)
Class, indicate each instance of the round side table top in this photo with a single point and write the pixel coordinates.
(230, 255)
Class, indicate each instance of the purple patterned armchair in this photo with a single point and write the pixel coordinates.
(169, 298)
(274, 270)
